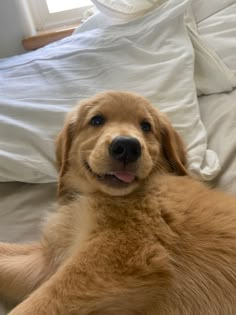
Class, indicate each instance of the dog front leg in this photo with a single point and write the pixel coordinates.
(69, 291)
(22, 269)
(85, 284)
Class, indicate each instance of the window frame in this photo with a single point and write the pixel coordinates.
(44, 20)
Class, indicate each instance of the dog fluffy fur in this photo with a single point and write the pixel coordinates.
(139, 237)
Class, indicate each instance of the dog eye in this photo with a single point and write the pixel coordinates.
(146, 126)
(97, 120)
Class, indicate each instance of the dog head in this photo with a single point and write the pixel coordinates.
(113, 142)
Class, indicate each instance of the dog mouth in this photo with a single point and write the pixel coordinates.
(114, 178)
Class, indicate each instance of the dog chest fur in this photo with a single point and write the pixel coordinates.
(156, 236)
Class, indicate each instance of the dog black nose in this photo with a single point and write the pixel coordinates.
(125, 149)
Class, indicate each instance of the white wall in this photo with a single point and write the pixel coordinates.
(11, 29)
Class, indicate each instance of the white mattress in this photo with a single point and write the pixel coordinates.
(23, 205)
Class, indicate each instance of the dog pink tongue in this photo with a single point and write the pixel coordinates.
(125, 177)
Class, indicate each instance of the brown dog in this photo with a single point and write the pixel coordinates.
(133, 233)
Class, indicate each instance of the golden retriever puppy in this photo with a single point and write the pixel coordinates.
(133, 233)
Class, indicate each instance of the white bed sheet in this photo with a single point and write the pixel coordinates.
(22, 206)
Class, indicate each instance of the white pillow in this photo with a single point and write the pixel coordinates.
(129, 9)
(205, 8)
(126, 9)
(219, 31)
(151, 55)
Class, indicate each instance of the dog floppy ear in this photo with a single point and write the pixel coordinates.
(63, 145)
(173, 147)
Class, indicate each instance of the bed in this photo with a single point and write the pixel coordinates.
(181, 56)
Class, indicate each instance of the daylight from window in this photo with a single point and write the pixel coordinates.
(57, 6)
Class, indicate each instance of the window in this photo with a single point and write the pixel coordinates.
(49, 14)
(58, 6)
